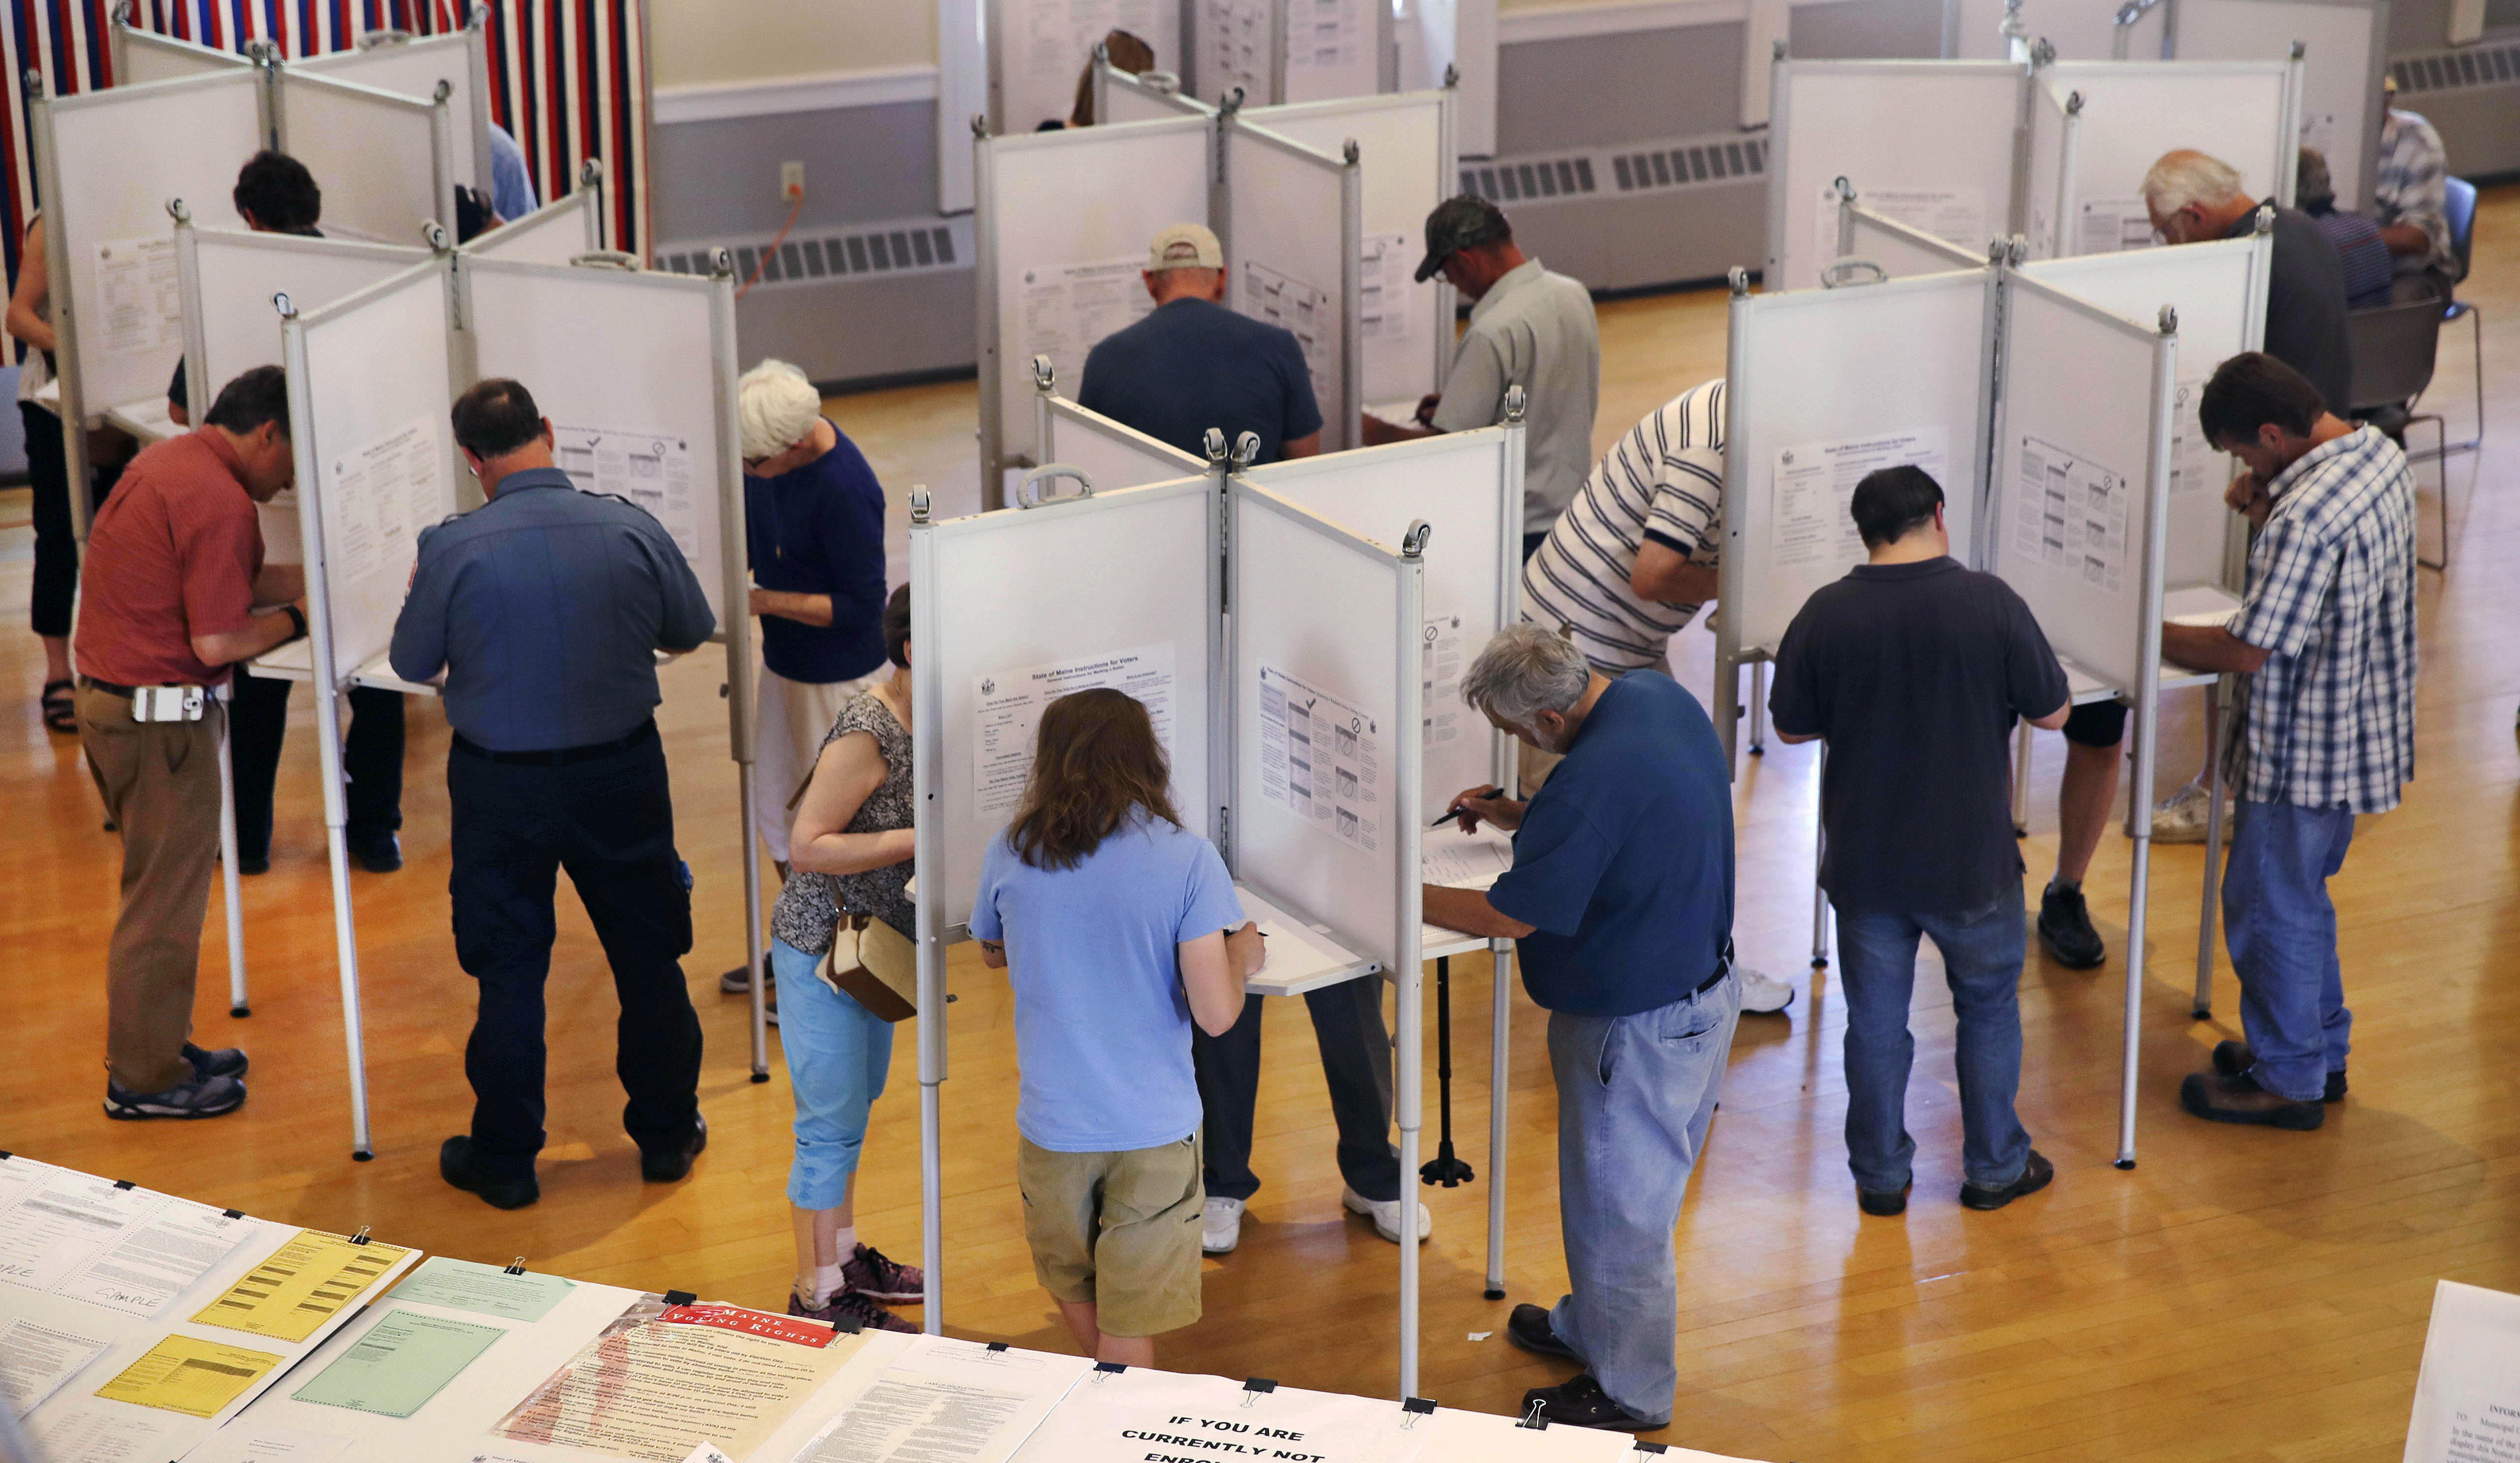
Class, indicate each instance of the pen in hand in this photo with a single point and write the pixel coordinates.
(1455, 811)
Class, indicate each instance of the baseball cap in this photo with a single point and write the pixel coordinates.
(1185, 246)
(1460, 222)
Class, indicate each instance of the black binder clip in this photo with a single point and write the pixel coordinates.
(680, 1296)
(847, 1325)
(997, 1346)
(231, 1213)
(1533, 1420)
(1643, 1446)
(515, 1266)
(1105, 1371)
(1414, 1408)
(6, 1155)
(125, 1185)
(361, 1237)
(1254, 1388)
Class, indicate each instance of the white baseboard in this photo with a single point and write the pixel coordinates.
(829, 91)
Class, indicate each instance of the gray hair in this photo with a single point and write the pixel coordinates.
(2184, 178)
(1524, 671)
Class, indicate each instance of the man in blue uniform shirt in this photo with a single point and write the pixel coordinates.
(545, 608)
(1621, 895)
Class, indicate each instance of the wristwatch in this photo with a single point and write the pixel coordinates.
(296, 623)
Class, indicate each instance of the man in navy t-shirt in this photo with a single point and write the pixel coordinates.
(1193, 364)
(1621, 895)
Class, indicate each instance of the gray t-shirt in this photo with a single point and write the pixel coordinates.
(1533, 329)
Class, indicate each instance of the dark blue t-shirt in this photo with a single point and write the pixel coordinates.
(1624, 859)
(1194, 364)
(819, 530)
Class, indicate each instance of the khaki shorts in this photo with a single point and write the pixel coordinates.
(1118, 1231)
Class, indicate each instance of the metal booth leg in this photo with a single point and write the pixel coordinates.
(1500, 1078)
(229, 881)
(1759, 708)
(1820, 896)
(2209, 904)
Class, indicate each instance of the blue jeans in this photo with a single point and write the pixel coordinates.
(2282, 930)
(1634, 1094)
(1982, 952)
(839, 1053)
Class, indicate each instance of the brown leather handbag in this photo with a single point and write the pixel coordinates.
(873, 964)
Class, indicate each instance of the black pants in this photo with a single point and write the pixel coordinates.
(610, 822)
(370, 759)
(1356, 1060)
(48, 473)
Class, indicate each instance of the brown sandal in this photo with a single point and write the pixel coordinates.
(59, 701)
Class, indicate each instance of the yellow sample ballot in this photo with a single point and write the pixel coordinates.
(188, 1375)
(304, 1284)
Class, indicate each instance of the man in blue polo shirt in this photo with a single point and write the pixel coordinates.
(1621, 895)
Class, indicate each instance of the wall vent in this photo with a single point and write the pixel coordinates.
(1654, 167)
(818, 256)
(2458, 70)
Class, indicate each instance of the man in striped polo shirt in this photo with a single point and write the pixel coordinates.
(1632, 558)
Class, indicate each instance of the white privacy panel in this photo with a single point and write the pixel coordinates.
(1465, 487)
(2079, 29)
(1290, 245)
(1111, 456)
(2045, 176)
(1037, 50)
(1020, 607)
(140, 56)
(553, 233)
(2345, 48)
(2085, 400)
(1826, 387)
(413, 68)
(1063, 223)
(378, 156)
(229, 283)
(635, 372)
(2132, 112)
(1405, 157)
(1334, 48)
(115, 159)
(376, 454)
(1900, 251)
(1928, 143)
(2219, 290)
(1124, 98)
(1323, 686)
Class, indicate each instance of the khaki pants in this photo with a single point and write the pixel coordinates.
(1117, 1229)
(160, 782)
(790, 719)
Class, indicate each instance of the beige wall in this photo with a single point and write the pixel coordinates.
(713, 42)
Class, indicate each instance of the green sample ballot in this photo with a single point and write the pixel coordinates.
(402, 1361)
(483, 1289)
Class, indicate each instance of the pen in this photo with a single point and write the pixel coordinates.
(1455, 811)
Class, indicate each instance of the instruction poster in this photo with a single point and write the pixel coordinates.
(2195, 465)
(1956, 216)
(653, 469)
(1235, 40)
(1322, 34)
(2071, 513)
(2110, 226)
(1167, 1417)
(1305, 310)
(139, 300)
(1439, 682)
(1068, 308)
(1810, 526)
(1007, 708)
(1321, 759)
(1054, 42)
(382, 495)
(1385, 270)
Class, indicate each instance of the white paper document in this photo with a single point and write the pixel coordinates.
(1956, 216)
(2070, 512)
(1068, 308)
(2467, 1394)
(94, 1430)
(382, 496)
(128, 1250)
(1458, 1437)
(2195, 465)
(1465, 860)
(2108, 226)
(653, 469)
(246, 1440)
(1386, 266)
(36, 1359)
(1809, 525)
(1008, 707)
(2319, 130)
(1142, 1416)
(1055, 40)
(1326, 34)
(1236, 41)
(947, 1401)
(1439, 684)
(1321, 759)
(139, 300)
(1307, 311)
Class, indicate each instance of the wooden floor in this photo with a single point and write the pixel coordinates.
(2241, 1295)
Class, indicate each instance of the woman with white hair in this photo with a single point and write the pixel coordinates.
(813, 518)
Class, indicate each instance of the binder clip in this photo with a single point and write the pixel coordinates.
(515, 1266)
(125, 1185)
(997, 1346)
(680, 1296)
(1105, 1371)
(1255, 1388)
(1413, 1408)
(1533, 1420)
(361, 1237)
(1643, 1446)
(6, 1155)
(847, 1325)
(231, 1213)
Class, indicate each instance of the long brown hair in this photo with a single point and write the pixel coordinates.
(1095, 761)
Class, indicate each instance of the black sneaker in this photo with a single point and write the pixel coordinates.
(870, 1272)
(1885, 1204)
(378, 854)
(1580, 1402)
(456, 1165)
(227, 1061)
(2234, 1059)
(2036, 1174)
(738, 981)
(2065, 928)
(202, 1097)
(1528, 1328)
(671, 1165)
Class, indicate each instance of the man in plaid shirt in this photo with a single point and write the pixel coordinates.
(2409, 195)
(2326, 636)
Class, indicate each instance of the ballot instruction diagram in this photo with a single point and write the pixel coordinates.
(1056, 39)
(1387, 272)
(382, 495)
(2071, 513)
(1439, 682)
(139, 297)
(1955, 215)
(1235, 40)
(653, 469)
(1321, 759)
(1068, 308)
(1810, 526)
(1327, 33)
(2195, 464)
(1301, 309)
(2110, 226)
(1007, 709)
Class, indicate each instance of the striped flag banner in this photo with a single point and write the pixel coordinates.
(568, 77)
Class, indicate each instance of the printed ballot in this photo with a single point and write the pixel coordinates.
(189, 1375)
(1809, 525)
(483, 1289)
(1465, 861)
(401, 1361)
(138, 298)
(1321, 759)
(2467, 1394)
(302, 1286)
(664, 1379)
(947, 1401)
(84, 1238)
(1008, 709)
(36, 1359)
(1142, 1416)
(264, 1442)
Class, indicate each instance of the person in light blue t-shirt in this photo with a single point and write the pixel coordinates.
(1117, 927)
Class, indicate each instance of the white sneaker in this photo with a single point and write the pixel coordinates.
(1762, 993)
(1386, 1215)
(2180, 816)
(1220, 1225)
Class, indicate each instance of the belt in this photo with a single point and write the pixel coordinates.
(126, 693)
(563, 756)
(1722, 968)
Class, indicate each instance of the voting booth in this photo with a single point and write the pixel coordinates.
(417, 67)
(2096, 126)
(2343, 47)
(140, 56)
(559, 231)
(1063, 223)
(1109, 454)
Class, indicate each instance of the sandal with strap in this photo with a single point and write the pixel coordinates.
(60, 700)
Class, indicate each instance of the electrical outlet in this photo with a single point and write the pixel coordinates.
(792, 182)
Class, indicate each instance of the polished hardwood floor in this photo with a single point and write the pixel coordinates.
(2239, 1295)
